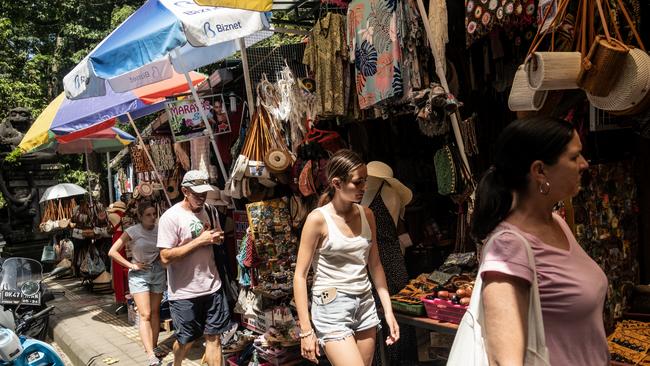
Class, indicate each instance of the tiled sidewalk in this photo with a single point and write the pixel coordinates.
(85, 327)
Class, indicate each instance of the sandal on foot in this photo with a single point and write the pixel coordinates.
(160, 353)
(154, 361)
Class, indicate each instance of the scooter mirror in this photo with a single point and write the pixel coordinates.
(30, 288)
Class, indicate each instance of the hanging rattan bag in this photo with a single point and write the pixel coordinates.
(603, 65)
(63, 221)
(256, 145)
(630, 93)
(522, 96)
(552, 70)
(47, 223)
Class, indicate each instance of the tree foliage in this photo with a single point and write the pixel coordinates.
(41, 41)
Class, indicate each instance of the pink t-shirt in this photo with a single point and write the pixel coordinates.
(195, 274)
(572, 290)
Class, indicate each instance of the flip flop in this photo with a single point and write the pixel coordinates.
(160, 353)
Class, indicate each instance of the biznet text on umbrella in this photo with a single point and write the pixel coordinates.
(207, 28)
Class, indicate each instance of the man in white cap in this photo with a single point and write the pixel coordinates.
(197, 303)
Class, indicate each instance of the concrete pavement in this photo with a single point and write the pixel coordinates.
(85, 326)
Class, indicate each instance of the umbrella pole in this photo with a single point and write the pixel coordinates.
(90, 190)
(153, 165)
(109, 177)
(213, 141)
(247, 75)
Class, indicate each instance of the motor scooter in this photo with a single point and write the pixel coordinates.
(26, 315)
(21, 284)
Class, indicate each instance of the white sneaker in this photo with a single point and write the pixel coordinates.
(227, 335)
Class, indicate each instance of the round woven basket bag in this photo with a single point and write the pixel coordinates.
(631, 89)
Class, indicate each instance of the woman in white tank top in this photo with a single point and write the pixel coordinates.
(339, 242)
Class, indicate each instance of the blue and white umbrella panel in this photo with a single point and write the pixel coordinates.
(158, 36)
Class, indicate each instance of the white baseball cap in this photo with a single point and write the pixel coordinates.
(197, 181)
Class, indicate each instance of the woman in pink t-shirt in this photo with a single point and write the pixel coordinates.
(538, 163)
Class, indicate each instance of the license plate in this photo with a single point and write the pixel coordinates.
(17, 297)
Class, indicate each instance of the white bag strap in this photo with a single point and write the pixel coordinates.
(535, 336)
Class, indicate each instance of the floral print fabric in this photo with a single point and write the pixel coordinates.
(373, 38)
(326, 54)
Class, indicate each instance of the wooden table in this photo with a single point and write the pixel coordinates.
(427, 323)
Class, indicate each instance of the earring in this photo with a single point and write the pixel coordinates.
(545, 188)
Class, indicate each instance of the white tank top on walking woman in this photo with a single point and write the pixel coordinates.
(341, 261)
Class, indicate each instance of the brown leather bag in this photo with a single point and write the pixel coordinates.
(603, 65)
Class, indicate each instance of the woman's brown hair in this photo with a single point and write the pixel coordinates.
(340, 165)
(143, 206)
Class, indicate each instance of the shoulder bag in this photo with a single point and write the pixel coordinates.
(469, 345)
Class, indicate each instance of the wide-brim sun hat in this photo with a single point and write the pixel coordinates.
(381, 170)
(116, 206)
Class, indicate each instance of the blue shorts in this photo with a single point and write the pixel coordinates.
(343, 316)
(153, 279)
(207, 314)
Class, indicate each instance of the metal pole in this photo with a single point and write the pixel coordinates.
(440, 71)
(197, 102)
(247, 76)
(153, 165)
(109, 177)
(90, 190)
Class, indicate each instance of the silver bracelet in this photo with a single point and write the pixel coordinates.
(307, 334)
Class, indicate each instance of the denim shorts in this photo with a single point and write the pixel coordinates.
(153, 279)
(344, 316)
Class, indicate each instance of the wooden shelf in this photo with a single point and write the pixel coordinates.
(427, 323)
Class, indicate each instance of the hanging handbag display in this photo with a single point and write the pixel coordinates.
(602, 66)
(173, 182)
(604, 63)
(630, 94)
(256, 145)
(48, 222)
(452, 176)
(552, 70)
(92, 263)
(469, 347)
(63, 221)
(522, 97)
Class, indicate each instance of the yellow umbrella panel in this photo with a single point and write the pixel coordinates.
(257, 5)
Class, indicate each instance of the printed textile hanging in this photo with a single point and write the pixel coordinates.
(374, 41)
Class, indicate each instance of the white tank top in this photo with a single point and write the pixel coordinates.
(341, 261)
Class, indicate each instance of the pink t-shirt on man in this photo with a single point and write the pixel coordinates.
(195, 274)
(572, 290)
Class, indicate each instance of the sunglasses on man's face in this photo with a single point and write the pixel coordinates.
(195, 194)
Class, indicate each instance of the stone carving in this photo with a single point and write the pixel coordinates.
(13, 128)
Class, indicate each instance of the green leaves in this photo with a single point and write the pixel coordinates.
(42, 41)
